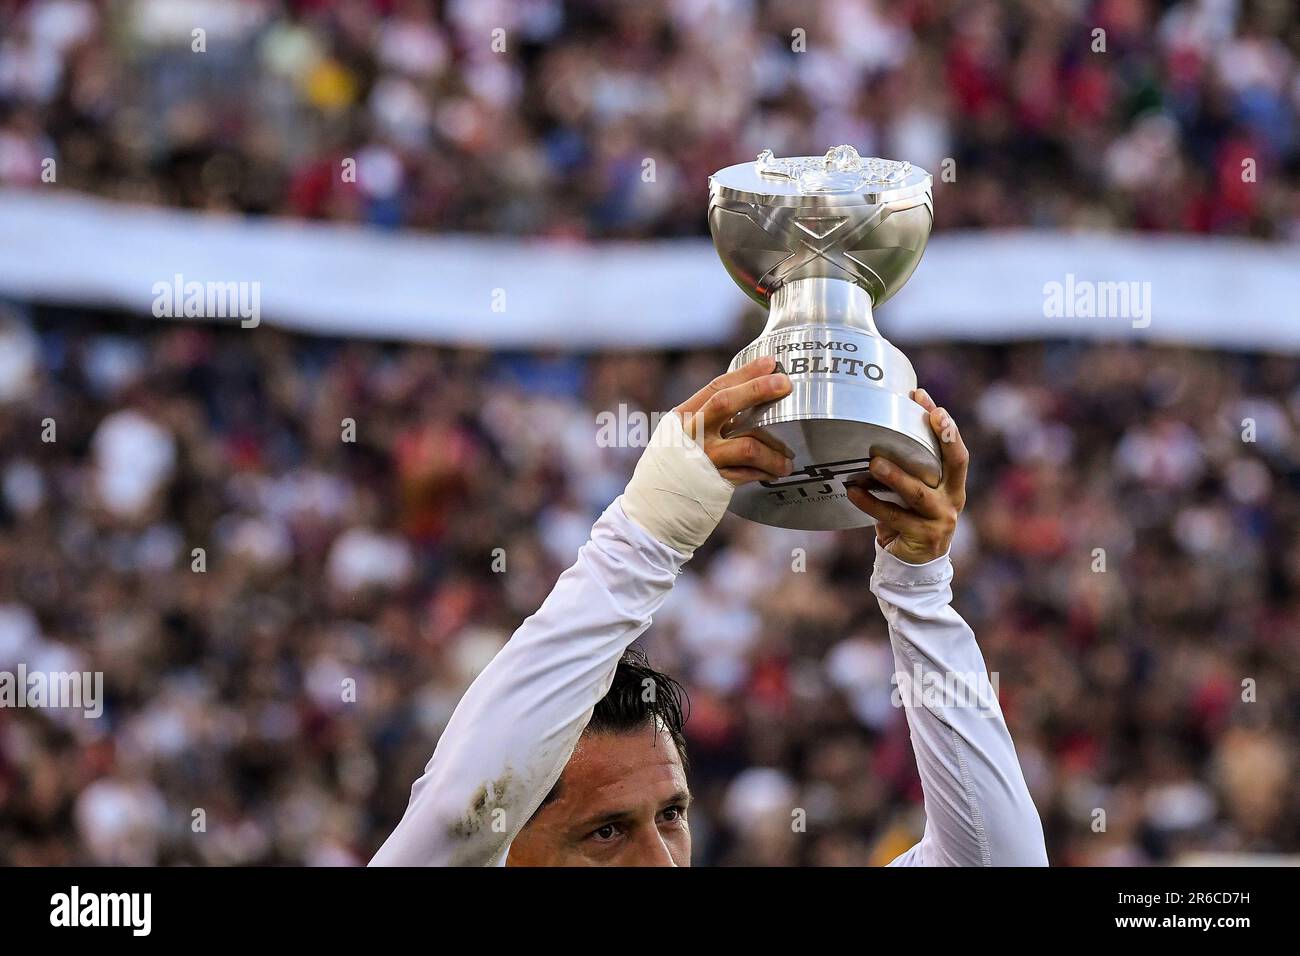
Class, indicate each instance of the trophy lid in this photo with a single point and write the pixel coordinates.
(839, 178)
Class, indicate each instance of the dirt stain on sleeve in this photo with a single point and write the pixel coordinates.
(474, 831)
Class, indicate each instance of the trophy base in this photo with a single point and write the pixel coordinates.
(831, 453)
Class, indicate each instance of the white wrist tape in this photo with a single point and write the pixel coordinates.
(676, 493)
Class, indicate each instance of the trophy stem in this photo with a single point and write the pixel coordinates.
(820, 300)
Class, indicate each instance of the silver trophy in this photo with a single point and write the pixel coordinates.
(821, 241)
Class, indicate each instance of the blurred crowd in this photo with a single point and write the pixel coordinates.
(289, 556)
(595, 118)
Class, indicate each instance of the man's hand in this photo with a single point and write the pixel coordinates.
(923, 530)
(741, 458)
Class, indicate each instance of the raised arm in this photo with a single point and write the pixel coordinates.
(516, 726)
(514, 730)
(978, 809)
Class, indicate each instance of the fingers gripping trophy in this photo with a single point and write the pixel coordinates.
(821, 241)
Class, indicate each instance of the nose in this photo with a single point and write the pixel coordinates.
(651, 849)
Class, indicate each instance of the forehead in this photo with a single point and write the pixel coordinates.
(621, 771)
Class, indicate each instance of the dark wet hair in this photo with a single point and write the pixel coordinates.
(639, 695)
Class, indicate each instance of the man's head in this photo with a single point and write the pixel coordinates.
(622, 798)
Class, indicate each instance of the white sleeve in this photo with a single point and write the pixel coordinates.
(977, 807)
(515, 729)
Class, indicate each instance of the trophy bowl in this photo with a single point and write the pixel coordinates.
(821, 241)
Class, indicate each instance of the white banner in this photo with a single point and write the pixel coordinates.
(503, 292)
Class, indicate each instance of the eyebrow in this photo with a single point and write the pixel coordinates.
(682, 797)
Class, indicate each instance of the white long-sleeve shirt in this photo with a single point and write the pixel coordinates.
(517, 725)
(977, 808)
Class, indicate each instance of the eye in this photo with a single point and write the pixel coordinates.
(675, 814)
(605, 834)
